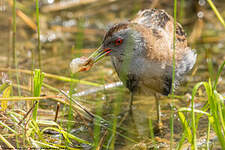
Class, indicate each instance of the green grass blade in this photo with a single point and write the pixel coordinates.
(220, 100)
(216, 12)
(210, 68)
(53, 76)
(6, 142)
(4, 86)
(66, 135)
(179, 145)
(182, 11)
(194, 91)
(36, 130)
(6, 93)
(41, 145)
(187, 129)
(218, 75)
(9, 128)
(97, 129)
(38, 79)
(208, 136)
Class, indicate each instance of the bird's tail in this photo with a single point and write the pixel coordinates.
(187, 63)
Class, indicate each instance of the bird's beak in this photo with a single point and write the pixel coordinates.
(93, 58)
(99, 54)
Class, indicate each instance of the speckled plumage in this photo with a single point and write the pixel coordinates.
(144, 60)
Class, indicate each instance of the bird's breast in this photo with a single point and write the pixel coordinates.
(141, 76)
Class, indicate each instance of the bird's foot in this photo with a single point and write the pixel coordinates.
(159, 128)
(160, 125)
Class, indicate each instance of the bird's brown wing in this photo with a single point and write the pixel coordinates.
(157, 28)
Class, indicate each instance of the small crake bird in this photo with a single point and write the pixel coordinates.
(141, 51)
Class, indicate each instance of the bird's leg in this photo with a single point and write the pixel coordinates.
(159, 121)
(131, 101)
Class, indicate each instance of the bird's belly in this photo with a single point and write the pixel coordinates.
(141, 77)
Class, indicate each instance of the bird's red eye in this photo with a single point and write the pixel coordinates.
(118, 41)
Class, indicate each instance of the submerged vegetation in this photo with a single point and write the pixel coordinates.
(43, 106)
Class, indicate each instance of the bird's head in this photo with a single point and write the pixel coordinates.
(119, 41)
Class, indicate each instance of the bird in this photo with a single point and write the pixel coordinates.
(141, 52)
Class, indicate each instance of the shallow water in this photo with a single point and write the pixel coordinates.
(77, 31)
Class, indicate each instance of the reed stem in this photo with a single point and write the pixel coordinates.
(38, 33)
(173, 75)
(14, 33)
